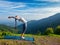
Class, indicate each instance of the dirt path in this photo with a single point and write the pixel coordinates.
(15, 42)
(42, 40)
(48, 40)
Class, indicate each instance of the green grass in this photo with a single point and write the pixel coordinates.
(51, 39)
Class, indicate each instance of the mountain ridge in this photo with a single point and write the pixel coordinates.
(40, 25)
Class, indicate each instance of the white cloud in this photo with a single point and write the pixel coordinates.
(20, 6)
(50, 0)
(7, 8)
(10, 5)
(36, 13)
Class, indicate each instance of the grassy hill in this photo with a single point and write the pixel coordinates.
(5, 28)
(39, 40)
(51, 39)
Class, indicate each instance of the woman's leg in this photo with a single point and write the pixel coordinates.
(24, 29)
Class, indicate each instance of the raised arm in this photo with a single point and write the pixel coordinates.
(11, 17)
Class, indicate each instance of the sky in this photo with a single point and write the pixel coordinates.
(28, 9)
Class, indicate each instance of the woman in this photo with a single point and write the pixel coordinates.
(24, 25)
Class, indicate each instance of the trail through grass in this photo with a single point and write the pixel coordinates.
(39, 40)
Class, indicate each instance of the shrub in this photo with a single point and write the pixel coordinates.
(57, 30)
(49, 31)
(6, 33)
(38, 33)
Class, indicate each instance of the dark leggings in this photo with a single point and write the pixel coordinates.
(24, 27)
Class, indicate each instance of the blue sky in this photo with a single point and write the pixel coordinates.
(29, 9)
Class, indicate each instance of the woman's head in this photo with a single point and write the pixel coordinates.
(17, 17)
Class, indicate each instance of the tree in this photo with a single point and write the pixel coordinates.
(3, 34)
(49, 31)
(57, 30)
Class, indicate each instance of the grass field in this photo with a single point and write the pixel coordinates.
(39, 40)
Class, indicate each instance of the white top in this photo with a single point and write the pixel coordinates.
(20, 19)
(23, 20)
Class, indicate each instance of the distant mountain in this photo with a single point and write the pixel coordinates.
(6, 28)
(35, 26)
(40, 25)
(52, 21)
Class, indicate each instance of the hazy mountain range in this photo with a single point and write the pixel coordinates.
(40, 25)
(35, 26)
